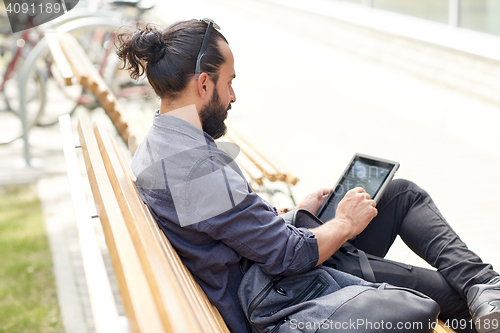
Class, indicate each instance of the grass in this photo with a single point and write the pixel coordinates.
(28, 299)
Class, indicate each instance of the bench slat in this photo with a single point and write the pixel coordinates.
(102, 302)
(248, 167)
(95, 83)
(88, 76)
(167, 275)
(272, 169)
(72, 58)
(269, 172)
(159, 278)
(79, 60)
(59, 58)
(137, 297)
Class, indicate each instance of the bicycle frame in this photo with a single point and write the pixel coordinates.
(12, 64)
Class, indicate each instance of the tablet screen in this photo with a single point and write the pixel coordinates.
(362, 172)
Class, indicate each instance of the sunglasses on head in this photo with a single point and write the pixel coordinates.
(204, 44)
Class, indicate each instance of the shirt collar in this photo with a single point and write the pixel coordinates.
(181, 126)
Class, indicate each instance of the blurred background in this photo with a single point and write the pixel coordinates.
(417, 82)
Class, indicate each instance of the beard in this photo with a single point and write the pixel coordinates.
(213, 115)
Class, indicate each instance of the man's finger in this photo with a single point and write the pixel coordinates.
(322, 192)
(358, 189)
(325, 191)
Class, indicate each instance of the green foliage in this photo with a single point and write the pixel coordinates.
(28, 299)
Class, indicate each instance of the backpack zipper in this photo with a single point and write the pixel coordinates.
(318, 288)
(315, 291)
(263, 293)
(315, 288)
(278, 325)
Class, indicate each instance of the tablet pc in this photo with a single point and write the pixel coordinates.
(371, 173)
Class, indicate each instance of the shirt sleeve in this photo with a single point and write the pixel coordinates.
(252, 228)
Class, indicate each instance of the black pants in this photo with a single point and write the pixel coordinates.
(407, 210)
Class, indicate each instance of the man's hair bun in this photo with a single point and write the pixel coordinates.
(140, 46)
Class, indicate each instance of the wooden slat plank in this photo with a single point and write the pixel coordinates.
(268, 171)
(73, 59)
(95, 82)
(102, 302)
(109, 102)
(171, 255)
(89, 77)
(249, 168)
(197, 310)
(92, 80)
(173, 314)
(255, 159)
(59, 57)
(137, 297)
(187, 281)
(272, 168)
(115, 114)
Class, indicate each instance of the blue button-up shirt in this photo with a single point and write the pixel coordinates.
(207, 210)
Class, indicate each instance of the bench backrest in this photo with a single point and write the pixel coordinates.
(271, 169)
(158, 292)
(73, 62)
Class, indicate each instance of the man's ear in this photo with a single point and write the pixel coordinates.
(203, 83)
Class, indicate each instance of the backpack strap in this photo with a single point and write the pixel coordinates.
(366, 268)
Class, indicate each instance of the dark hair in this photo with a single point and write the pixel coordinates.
(168, 57)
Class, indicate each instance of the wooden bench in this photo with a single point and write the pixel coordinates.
(158, 292)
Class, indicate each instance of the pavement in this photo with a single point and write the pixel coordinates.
(313, 91)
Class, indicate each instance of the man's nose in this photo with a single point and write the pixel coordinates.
(233, 95)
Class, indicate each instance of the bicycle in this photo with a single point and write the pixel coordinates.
(11, 57)
(12, 54)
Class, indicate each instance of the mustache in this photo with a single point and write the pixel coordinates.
(229, 107)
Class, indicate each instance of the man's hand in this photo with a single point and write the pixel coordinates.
(356, 210)
(313, 200)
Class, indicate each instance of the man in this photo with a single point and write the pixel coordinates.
(202, 202)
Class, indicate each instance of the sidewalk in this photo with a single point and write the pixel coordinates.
(48, 171)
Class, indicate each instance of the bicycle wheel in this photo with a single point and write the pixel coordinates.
(10, 122)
